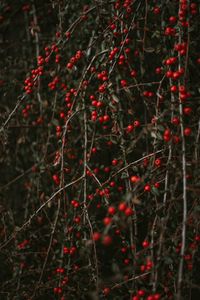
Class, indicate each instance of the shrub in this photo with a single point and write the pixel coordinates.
(100, 149)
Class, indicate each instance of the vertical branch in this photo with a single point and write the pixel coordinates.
(85, 212)
(197, 141)
(48, 250)
(180, 270)
(184, 186)
(145, 27)
(35, 20)
(37, 48)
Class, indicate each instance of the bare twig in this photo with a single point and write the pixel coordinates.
(28, 222)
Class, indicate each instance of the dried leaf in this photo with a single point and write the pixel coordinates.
(136, 201)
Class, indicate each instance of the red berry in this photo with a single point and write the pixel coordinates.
(133, 73)
(167, 135)
(102, 88)
(70, 65)
(145, 244)
(141, 293)
(157, 185)
(187, 110)
(136, 123)
(106, 118)
(176, 75)
(158, 70)
(150, 297)
(106, 291)
(175, 121)
(96, 236)
(126, 261)
(107, 240)
(197, 238)
(142, 268)
(157, 162)
(123, 83)
(147, 188)
(172, 19)
(107, 221)
(114, 162)
(156, 10)
(56, 179)
(123, 249)
(173, 88)
(135, 298)
(187, 131)
(112, 184)
(134, 179)
(129, 211)
(111, 210)
(156, 296)
(169, 74)
(129, 128)
(122, 206)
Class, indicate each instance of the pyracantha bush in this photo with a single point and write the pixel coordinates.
(100, 136)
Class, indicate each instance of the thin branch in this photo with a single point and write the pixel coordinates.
(28, 222)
